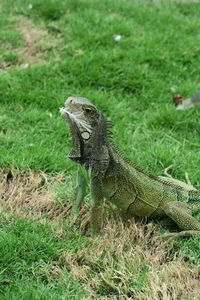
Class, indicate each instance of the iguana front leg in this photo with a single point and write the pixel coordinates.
(96, 187)
(81, 184)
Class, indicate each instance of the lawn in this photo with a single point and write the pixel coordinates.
(53, 49)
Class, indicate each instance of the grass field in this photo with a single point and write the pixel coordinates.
(53, 49)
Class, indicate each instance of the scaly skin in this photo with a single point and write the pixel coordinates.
(116, 178)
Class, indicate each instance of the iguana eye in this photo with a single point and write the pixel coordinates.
(88, 110)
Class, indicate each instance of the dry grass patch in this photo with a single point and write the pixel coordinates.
(122, 263)
(32, 194)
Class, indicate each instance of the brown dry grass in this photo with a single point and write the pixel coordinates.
(30, 194)
(122, 263)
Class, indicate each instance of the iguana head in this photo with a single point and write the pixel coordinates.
(83, 114)
(88, 126)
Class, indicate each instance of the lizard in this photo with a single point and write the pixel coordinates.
(116, 178)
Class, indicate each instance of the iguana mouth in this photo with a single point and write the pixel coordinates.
(75, 153)
(80, 129)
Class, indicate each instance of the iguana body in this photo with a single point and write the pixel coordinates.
(116, 178)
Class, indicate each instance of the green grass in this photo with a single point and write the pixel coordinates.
(29, 254)
(129, 80)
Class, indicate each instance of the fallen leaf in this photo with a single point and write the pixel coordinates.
(178, 99)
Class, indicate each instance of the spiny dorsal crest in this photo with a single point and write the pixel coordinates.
(104, 129)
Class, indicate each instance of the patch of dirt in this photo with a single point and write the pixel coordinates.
(32, 37)
(37, 43)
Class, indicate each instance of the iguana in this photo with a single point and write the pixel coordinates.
(116, 178)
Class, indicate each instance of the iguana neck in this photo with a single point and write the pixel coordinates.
(94, 149)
